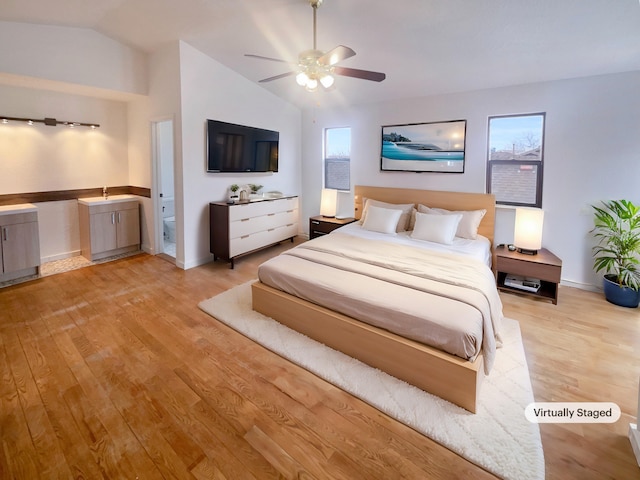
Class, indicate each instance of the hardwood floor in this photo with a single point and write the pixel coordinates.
(112, 371)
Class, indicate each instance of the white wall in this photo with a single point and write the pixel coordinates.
(43, 158)
(164, 96)
(71, 55)
(139, 162)
(58, 229)
(165, 153)
(209, 90)
(592, 152)
(39, 158)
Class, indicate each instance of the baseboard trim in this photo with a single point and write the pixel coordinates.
(581, 286)
(195, 263)
(60, 256)
(634, 437)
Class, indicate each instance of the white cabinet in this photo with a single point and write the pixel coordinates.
(245, 227)
(109, 226)
(19, 242)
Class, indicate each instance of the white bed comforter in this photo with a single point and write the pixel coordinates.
(451, 281)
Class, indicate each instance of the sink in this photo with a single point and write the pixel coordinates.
(109, 199)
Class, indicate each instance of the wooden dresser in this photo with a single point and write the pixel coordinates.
(241, 228)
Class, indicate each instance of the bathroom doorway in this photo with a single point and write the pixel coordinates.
(163, 152)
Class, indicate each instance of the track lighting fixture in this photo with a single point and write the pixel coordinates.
(52, 122)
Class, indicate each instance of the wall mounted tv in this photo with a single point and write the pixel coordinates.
(236, 148)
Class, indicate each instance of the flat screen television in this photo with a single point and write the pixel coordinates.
(237, 148)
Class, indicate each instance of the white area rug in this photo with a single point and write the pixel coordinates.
(498, 438)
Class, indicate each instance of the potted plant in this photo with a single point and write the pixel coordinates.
(234, 196)
(254, 188)
(617, 253)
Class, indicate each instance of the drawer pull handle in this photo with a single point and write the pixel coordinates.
(270, 214)
(245, 219)
(5, 234)
(244, 236)
(315, 222)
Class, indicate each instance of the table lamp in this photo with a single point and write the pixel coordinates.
(528, 230)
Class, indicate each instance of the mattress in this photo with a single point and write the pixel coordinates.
(440, 297)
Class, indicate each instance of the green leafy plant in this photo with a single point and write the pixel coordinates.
(617, 229)
(234, 188)
(254, 188)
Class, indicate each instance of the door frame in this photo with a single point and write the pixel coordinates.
(157, 178)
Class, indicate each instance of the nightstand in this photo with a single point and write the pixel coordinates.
(320, 225)
(544, 266)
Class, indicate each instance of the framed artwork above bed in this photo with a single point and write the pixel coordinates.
(423, 147)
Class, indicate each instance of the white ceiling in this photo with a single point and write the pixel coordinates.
(424, 46)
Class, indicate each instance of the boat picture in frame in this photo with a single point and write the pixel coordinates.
(424, 147)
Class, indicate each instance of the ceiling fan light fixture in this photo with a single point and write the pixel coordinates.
(312, 85)
(327, 81)
(316, 66)
(302, 78)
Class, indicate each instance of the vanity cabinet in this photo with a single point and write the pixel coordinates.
(19, 242)
(109, 227)
(241, 228)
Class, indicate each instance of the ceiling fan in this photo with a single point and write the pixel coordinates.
(316, 67)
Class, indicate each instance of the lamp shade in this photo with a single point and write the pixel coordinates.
(528, 230)
(328, 202)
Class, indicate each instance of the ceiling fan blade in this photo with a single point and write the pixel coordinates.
(336, 55)
(277, 77)
(266, 58)
(362, 74)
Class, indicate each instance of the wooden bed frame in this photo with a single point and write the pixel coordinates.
(430, 369)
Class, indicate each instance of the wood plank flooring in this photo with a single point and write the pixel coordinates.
(112, 371)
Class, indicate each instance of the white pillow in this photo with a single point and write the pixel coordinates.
(383, 220)
(406, 208)
(436, 228)
(468, 226)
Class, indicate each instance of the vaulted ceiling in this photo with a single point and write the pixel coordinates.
(425, 47)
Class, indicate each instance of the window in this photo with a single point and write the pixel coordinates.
(337, 158)
(514, 159)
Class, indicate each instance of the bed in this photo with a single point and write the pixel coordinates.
(426, 312)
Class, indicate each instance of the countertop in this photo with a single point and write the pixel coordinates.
(20, 208)
(106, 201)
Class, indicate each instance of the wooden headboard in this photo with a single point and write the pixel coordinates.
(434, 199)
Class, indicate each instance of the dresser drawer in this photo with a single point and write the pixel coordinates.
(16, 218)
(319, 227)
(251, 225)
(254, 241)
(549, 273)
(256, 209)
